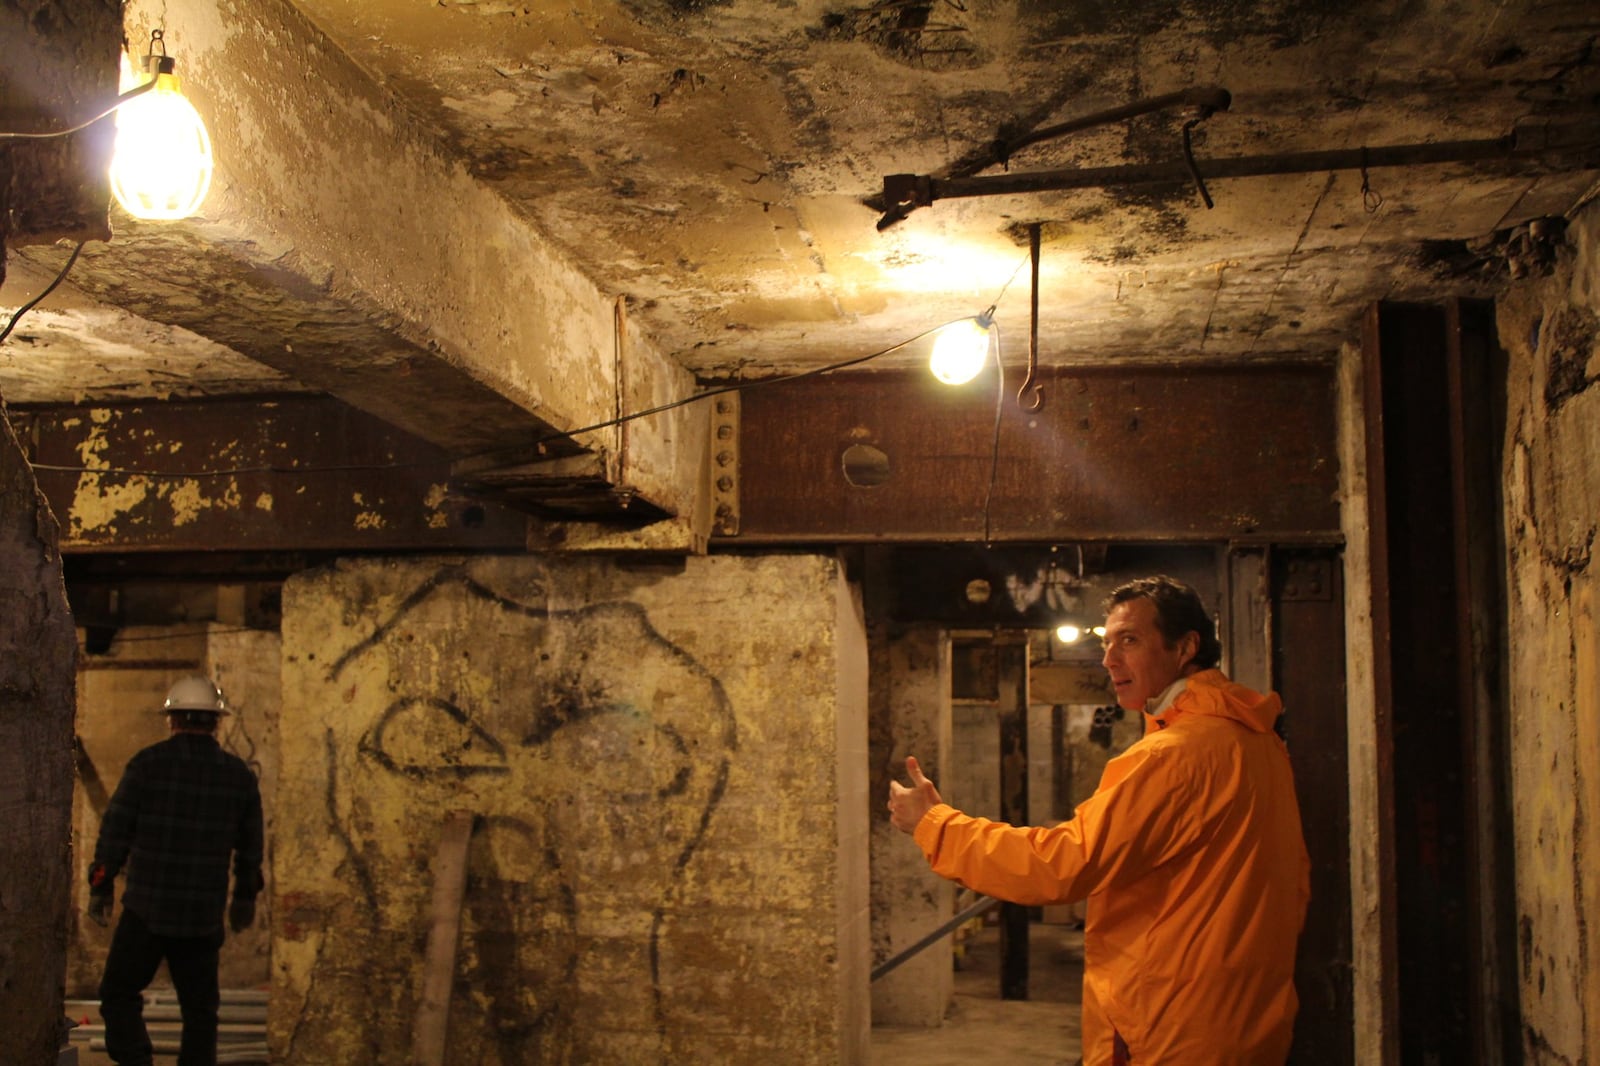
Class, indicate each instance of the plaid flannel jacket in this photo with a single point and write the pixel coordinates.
(182, 807)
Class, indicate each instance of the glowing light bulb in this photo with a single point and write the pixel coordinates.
(1068, 633)
(960, 350)
(161, 165)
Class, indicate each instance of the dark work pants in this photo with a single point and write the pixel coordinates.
(136, 953)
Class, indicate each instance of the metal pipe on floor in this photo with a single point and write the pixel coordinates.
(983, 905)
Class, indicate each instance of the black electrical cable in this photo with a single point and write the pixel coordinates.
(270, 469)
(230, 471)
(25, 308)
(743, 385)
(207, 628)
(721, 390)
(631, 416)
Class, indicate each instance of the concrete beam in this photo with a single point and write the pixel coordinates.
(353, 246)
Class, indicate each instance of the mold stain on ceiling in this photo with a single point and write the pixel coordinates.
(720, 165)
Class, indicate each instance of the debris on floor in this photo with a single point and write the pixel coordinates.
(241, 1024)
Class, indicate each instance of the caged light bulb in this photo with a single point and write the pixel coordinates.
(960, 350)
(161, 165)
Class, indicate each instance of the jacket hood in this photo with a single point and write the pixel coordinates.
(1209, 692)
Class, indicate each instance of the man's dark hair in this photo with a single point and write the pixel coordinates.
(1178, 611)
(189, 719)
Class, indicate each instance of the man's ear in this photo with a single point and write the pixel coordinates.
(1188, 648)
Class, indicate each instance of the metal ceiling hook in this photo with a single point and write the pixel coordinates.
(1030, 383)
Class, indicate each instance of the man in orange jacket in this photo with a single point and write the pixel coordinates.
(1190, 853)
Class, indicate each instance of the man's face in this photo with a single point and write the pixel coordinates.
(1137, 657)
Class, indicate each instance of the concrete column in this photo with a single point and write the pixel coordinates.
(247, 663)
(1043, 757)
(1366, 881)
(1550, 329)
(666, 762)
(853, 810)
(910, 715)
(37, 656)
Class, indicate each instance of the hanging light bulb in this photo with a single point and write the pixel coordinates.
(161, 165)
(961, 349)
(1067, 633)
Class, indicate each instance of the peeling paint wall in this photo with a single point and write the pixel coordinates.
(120, 694)
(1552, 480)
(653, 757)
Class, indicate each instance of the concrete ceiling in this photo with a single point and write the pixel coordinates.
(406, 182)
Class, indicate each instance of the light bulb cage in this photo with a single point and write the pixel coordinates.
(162, 163)
(951, 361)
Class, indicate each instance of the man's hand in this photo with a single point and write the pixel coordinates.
(908, 805)
(100, 908)
(241, 914)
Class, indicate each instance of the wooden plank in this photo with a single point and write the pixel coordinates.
(430, 1034)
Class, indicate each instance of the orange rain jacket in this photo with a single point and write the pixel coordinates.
(1191, 857)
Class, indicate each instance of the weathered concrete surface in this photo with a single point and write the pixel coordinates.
(717, 163)
(713, 160)
(119, 698)
(344, 246)
(37, 654)
(910, 715)
(653, 755)
(59, 59)
(1549, 328)
(1366, 875)
(247, 664)
(971, 781)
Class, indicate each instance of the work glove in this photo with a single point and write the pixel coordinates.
(241, 914)
(100, 893)
(100, 908)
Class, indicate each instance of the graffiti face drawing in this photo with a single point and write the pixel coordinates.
(594, 753)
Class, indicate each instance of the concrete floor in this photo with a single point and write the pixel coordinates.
(980, 1026)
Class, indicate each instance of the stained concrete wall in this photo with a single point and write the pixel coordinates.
(120, 693)
(1550, 329)
(37, 653)
(910, 715)
(1361, 702)
(972, 780)
(653, 756)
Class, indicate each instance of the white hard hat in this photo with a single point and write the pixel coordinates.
(195, 693)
